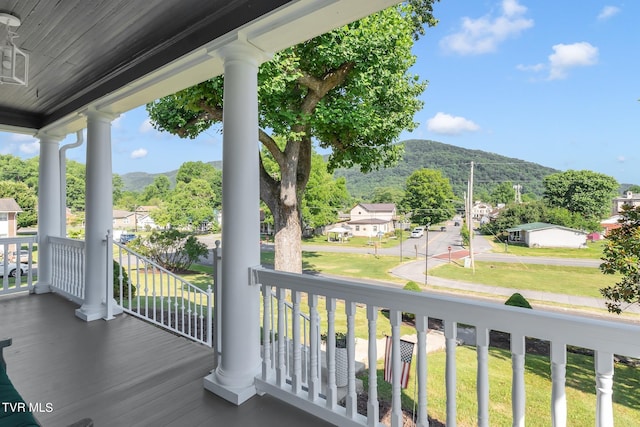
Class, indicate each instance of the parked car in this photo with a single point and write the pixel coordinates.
(14, 269)
(23, 255)
(417, 232)
(126, 238)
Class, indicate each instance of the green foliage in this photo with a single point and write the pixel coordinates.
(126, 285)
(26, 198)
(349, 90)
(324, 196)
(517, 300)
(583, 192)
(428, 197)
(489, 170)
(158, 190)
(538, 211)
(387, 195)
(464, 234)
(501, 193)
(188, 205)
(172, 249)
(621, 255)
(341, 339)
(412, 286)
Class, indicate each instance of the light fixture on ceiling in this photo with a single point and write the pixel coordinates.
(14, 66)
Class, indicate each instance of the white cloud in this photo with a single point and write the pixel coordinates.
(117, 122)
(484, 34)
(608, 12)
(32, 147)
(139, 153)
(568, 56)
(563, 58)
(146, 126)
(622, 159)
(447, 124)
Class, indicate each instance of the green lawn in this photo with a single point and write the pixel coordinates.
(592, 251)
(579, 281)
(580, 389)
(360, 266)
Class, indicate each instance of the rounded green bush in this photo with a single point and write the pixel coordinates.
(412, 286)
(517, 300)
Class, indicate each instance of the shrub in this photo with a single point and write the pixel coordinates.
(125, 282)
(517, 300)
(341, 339)
(171, 249)
(413, 287)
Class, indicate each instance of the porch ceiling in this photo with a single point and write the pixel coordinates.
(115, 55)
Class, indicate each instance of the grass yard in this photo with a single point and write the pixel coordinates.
(578, 281)
(360, 266)
(580, 389)
(592, 251)
(356, 241)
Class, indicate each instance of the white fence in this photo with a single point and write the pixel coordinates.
(282, 373)
(67, 275)
(150, 292)
(17, 265)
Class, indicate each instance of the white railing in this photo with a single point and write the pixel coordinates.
(156, 295)
(316, 393)
(17, 264)
(67, 275)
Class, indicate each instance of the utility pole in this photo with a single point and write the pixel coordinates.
(470, 224)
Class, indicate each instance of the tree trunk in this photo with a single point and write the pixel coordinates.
(288, 234)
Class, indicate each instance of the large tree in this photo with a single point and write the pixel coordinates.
(26, 198)
(349, 90)
(621, 255)
(428, 197)
(585, 192)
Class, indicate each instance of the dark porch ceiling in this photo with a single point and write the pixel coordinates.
(81, 50)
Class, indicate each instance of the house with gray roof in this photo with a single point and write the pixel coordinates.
(544, 235)
(9, 210)
(369, 219)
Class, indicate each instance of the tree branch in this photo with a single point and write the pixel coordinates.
(319, 87)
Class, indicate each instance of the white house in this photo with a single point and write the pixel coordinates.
(8, 212)
(369, 219)
(543, 235)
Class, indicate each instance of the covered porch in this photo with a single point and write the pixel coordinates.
(120, 371)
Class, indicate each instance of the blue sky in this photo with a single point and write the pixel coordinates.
(552, 82)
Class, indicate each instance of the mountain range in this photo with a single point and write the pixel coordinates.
(490, 169)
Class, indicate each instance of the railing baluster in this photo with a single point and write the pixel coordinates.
(395, 317)
(482, 348)
(422, 325)
(266, 331)
(296, 377)
(518, 396)
(373, 406)
(281, 371)
(352, 397)
(604, 388)
(332, 389)
(558, 379)
(450, 334)
(314, 340)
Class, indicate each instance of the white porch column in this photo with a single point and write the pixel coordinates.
(48, 207)
(233, 379)
(98, 214)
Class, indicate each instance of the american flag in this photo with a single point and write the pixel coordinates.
(406, 355)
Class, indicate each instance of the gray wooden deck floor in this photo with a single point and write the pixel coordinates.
(124, 372)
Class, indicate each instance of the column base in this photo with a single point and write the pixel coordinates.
(41, 288)
(237, 396)
(89, 314)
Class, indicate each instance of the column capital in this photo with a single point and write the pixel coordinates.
(49, 137)
(92, 113)
(242, 50)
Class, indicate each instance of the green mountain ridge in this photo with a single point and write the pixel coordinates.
(489, 170)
